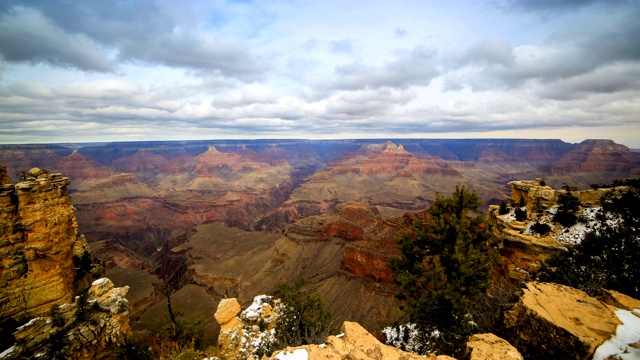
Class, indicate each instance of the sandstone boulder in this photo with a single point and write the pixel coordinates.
(227, 309)
(490, 347)
(553, 321)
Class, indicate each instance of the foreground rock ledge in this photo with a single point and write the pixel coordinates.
(553, 321)
(354, 343)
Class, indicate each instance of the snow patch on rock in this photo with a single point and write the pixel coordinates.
(621, 345)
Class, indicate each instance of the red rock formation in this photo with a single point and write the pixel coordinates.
(370, 259)
(597, 155)
(78, 166)
(140, 162)
(387, 158)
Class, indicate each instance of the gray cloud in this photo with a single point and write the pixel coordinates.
(27, 36)
(487, 52)
(549, 7)
(452, 83)
(366, 102)
(65, 33)
(577, 49)
(415, 67)
(605, 80)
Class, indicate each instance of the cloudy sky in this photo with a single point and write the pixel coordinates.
(73, 71)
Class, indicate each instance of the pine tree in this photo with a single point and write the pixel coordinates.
(444, 270)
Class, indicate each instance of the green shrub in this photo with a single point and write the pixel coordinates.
(503, 210)
(565, 219)
(540, 228)
(568, 204)
(521, 214)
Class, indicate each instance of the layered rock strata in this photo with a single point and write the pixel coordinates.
(528, 191)
(38, 244)
(597, 155)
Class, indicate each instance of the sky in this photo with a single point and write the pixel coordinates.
(94, 71)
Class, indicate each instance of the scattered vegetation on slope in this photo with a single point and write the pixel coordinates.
(607, 257)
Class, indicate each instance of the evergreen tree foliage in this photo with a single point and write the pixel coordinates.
(303, 319)
(568, 204)
(444, 270)
(503, 210)
(608, 255)
(520, 213)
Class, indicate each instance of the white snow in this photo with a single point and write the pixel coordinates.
(7, 353)
(573, 235)
(396, 337)
(510, 216)
(30, 323)
(252, 313)
(619, 346)
(100, 281)
(297, 354)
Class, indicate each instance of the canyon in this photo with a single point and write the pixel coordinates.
(219, 219)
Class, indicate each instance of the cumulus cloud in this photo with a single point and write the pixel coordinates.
(79, 34)
(575, 50)
(27, 36)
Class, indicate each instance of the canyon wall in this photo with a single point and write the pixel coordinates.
(38, 243)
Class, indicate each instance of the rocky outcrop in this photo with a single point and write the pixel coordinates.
(490, 347)
(353, 343)
(523, 250)
(44, 262)
(558, 322)
(529, 191)
(521, 254)
(241, 336)
(40, 247)
(4, 178)
(94, 326)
